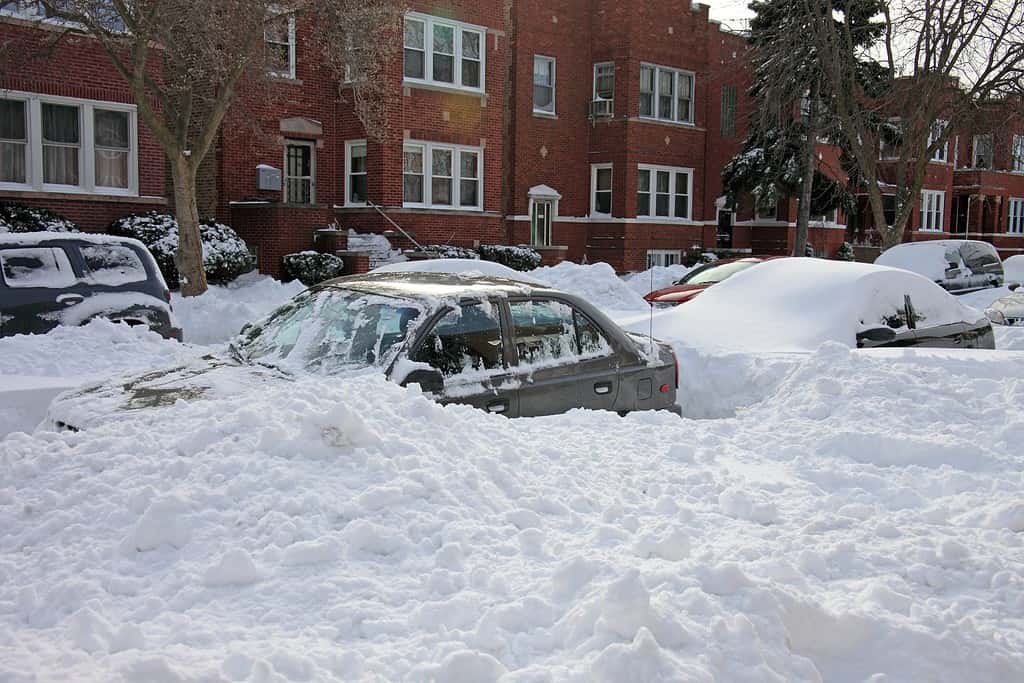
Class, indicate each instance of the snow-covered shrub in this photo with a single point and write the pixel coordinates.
(311, 268)
(448, 251)
(845, 252)
(225, 255)
(809, 249)
(20, 218)
(516, 258)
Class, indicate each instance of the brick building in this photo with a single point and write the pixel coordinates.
(594, 130)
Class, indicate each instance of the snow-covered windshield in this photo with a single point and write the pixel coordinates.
(329, 331)
(716, 273)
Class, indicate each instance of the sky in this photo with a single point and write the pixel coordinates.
(732, 13)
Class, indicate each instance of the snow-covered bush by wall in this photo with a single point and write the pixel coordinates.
(225, 255)
(845, 252)
(311, 268)
(517, 258)
(20, 218)
(449, 251)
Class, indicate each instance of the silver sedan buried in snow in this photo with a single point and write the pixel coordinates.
(1008, 310)
(504, 346)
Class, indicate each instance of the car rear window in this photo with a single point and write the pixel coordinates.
(112, 264)
(36, 267)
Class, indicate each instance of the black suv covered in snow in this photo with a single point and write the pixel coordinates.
(49, 279)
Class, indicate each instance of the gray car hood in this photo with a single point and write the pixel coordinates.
(205, 378)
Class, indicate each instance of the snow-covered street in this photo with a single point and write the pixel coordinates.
(847, 516)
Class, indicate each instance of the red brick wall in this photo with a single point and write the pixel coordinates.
(76, 66)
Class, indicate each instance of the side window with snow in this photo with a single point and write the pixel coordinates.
(112, 264)
(546, 331)
(47, 267)
(466, 339)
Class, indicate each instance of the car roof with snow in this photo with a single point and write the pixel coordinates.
(418, 284)
(32, 239)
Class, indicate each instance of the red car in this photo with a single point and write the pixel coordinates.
(699, 279)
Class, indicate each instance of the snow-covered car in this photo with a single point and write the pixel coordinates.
(699, 279)
(505, 346)
(1008, 310)
(49, 279)
(797, 304)
(959, 266)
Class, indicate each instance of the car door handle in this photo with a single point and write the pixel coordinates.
(70, 299)
(498, 407)
(603, 388)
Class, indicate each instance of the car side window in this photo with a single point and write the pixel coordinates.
(112, 264)
(37, 267)
(550, 330)
(467, 338)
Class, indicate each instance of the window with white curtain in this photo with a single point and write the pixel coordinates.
(1018, 154)
(543, 84)
(1015, 209)
(932, 206)
(443, 52)
(443, 176)
(61, 144)
(666, 94)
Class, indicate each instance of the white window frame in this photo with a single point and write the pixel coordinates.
(554, 86)
(933, 206)
(290, 72)
(991, 151)
(599, 65)
(456, 150)
(941, 155)
(1017, 152)
(673, 192)
(549, 217)
(87, 146)
(349, 146)
(594, 168)
(831, 217)
(429, 21)
(676, 75)
(298, 142)
(1015, 216)
(661, 257)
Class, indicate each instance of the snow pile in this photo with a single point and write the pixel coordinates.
(353, 530)
(220, 313)
(596, 283)
(799, 304)
(460, 266)
(35, 368)
(377, 246)
(655, 278)
(1013, 268)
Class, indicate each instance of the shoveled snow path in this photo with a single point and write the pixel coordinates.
(866, 519)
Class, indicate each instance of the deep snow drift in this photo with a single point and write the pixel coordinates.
(866, 521)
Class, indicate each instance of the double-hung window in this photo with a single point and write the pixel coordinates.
(942, 153)
(604, 81)
(664, 192)
(663, 257)
(442, 176)
(443, 52)
(932, 206)
(279, 45)
(1015, 211)
(666, 94)
(1018, 154)
(543, 84)
(58, 144)
(601, 189)
(355, 173)
(983, 151)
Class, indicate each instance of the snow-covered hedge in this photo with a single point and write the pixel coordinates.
(448, 251)
(311, 268)
(20, 218)
(225, 255)
(845, 252)
(517, 258)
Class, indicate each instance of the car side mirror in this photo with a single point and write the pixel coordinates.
(877, 335)
(430, 381)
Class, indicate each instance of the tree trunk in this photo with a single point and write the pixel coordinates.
(803, 216)
(189, 257)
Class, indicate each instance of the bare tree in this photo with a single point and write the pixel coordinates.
(936, 63)
(185, 60)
